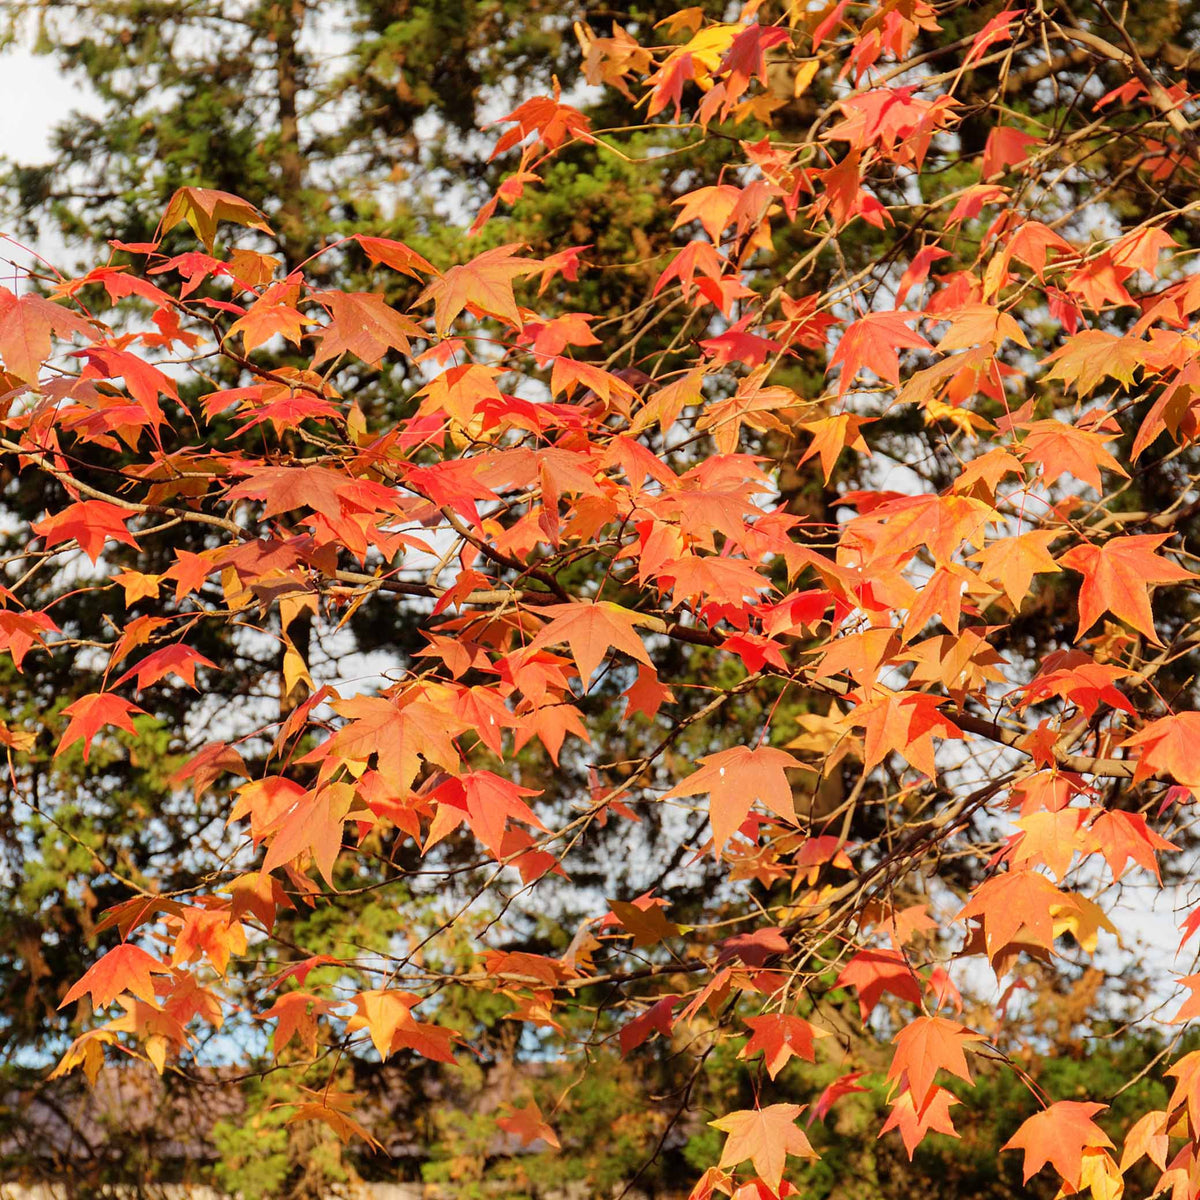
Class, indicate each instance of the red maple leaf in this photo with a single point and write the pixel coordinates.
(90, 522)
(89, 713)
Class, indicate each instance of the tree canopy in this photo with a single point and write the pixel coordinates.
(693, 672)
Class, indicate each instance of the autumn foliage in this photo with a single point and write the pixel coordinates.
(929, 811)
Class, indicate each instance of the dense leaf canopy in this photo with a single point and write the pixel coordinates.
(697, 669)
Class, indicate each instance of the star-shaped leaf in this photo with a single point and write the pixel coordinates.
(734, 779)
(765, 1136)
(591, 630)
(1117, 577)
(484, 285)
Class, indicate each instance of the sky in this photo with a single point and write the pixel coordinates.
(34, 96)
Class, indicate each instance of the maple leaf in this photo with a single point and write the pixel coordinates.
(998, 29)
(1059, 1136)
(1051, 838)
(1014, 906)
(297, 1014)
(86, 1051)
(832, 435)
(778, 1036)
(874, 342)
(265, 320)
(845, 1085)
(26, 327)
(285, 489)
(1093, 355)
(1123, 836)
(314, 824)
(362, 324)
(202, 208)
(646, 694)
(396, 255)
(487, 801)
(1147, 1136)
(914, 1122)
(734, 779)
(332, 1109)
(1014, 561)
(529, 1126)
(1186, 1073)
(711, 206)
(125, 968)
(1062, 448)
(89, 713)
(905, 722)
(925, 1045)
(90, 522)
(1190, 1009)
(177, 660)
(659, 1017)
(647, 922)
(1117, 577)
(765, 1136)
(873, 972)
(484, 285)
(591, 630)
(1005, 148)
(1169, 745)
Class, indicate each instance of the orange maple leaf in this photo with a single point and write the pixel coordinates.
(1117, 577)
(90, 522)
(766, 1136)
(89, 713)
(1014, 561)
(362, 324)
(925, 1045)
(1066, 449)
(202, 208)
(26, 327)
(484, 284)
(528, 1124)
(914, 1123)
(832, 435)
(873, 972)
(1147, 1136)
(779, 1036)
(1014, 906)
(591, 630)
(1123, 836)
(734, 779)
(314, 824)
(1058, 1136)
(1169, 745)
(295, 1019)
(125, 968)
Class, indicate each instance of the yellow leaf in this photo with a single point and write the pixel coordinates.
(1082, 919)
(805, 74)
